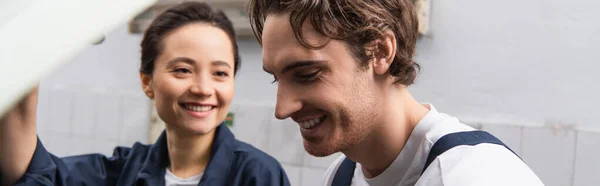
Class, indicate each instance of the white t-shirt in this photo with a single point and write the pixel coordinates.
(172, 180)
(483, 164)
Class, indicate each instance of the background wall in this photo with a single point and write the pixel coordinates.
(523, 70)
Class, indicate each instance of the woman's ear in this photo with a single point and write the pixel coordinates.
(384, 51)
(147, 85)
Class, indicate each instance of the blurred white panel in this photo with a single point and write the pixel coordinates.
(38, 37)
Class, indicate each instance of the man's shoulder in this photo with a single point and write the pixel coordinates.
(483, 163)
(444, 126)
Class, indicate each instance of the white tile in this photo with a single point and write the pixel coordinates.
(285, 142)
(84, 114)
(108, 117)
(81, 145)
(312, 176)
(293, 173)
(550, 154)
(42, 134)
(474, 124)
(57, 143)
(60, 109)
(105, 146)
(587, 165)
(43, 111)
(320, 162)
(127, 143)
(136, 119)
(251, 125)
(510, 135)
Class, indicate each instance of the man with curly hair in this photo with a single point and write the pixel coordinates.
(343, 69)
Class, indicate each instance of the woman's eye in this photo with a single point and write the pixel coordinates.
(182, 70)
(221, 73)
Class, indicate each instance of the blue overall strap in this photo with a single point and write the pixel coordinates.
(461, 138)
(344, 173)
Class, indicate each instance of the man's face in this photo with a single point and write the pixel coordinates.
(332, 98)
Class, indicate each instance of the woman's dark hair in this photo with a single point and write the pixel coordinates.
(177, 17)
(357, 22)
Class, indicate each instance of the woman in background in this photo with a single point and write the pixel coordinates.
(189, 59)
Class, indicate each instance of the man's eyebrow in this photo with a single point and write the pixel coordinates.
(298, 64)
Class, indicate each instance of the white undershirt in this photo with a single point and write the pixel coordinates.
(172, 180)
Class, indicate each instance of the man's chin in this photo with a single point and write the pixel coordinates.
(319, 149)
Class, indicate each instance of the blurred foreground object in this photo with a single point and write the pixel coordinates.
(37, 36)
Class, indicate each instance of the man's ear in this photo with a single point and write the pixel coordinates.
(383, 52)
(147, 85)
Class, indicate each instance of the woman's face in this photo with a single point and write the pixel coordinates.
(192, 83)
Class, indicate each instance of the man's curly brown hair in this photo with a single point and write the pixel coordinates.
(357, 22)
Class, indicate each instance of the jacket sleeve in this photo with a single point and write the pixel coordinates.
(90, 169)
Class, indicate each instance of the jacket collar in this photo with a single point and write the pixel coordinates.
(216, 172)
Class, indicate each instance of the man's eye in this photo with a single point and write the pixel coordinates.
(307, 78)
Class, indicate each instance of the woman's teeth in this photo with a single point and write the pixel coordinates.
(197, 108)
(308, 124)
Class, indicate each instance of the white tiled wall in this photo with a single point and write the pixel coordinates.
(58, 143)
(550, 154)
(286, 142)
(587, 165)
(135, 121)
(60, 110)
(77, 122)
(84, 121)
(510, 135)
(252, 125)
(109, 117)
(312, 176)
(319, 162)
(559, 156)
(294, 173)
